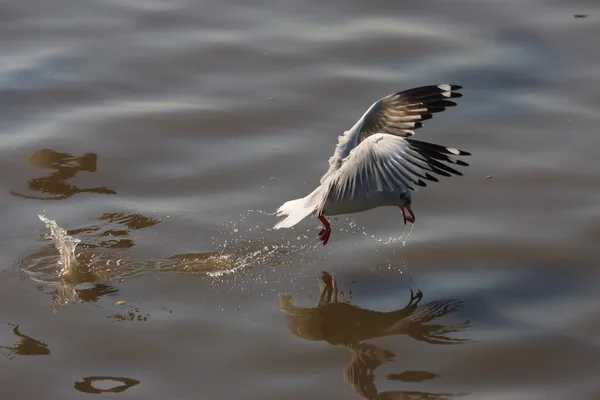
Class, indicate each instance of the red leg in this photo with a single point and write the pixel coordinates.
(411, 215)
(326, 231)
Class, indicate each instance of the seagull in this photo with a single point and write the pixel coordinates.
(376, 163)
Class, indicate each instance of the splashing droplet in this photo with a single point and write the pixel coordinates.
(65, 245)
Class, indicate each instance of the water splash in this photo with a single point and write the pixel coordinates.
(251, 242)
(87, 267)
(114, 264)
(65, 245)
(267, 255)
(247, 253)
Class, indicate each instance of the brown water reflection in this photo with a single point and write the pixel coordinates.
(98, 260)
(113, 231)
(86, 384)
(25, 345)
(347, 326)
(65, 167)
(86, 266)
(95, 292)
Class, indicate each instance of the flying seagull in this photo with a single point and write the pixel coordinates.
(376, 164)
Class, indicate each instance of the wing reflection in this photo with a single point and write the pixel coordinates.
(114, 230)
(345, 325)
(95, 292)
(55, 186)
(85, 291)
(26, 345)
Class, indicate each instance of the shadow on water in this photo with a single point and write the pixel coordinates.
(25, 345)
(55, 186)
(347, 326)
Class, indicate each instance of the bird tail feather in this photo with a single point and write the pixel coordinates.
(298, 209)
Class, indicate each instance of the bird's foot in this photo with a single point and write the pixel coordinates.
(408, 214)
(324, 235)
(326, 231)
(414, 297)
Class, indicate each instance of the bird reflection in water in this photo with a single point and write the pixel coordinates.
(55, 186)
(93, 293)
(86, 384)
(345, 325)
(79, 291)
(114, 230)
(25, 345)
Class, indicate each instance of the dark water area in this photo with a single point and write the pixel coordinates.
(162, 136)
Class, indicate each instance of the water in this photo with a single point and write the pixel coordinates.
(157, 138)
(65, 245)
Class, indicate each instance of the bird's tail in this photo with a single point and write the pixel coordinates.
(296, 210)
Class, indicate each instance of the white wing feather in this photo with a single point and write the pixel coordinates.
(376, 165)
(388, 163)
(398, 114)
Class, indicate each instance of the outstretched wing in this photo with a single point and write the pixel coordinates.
(397, 114)
(384, 162)
(401, 113)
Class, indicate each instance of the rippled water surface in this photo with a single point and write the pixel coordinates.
(161, 136)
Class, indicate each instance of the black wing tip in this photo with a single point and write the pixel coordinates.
(438, 148)
(454, 151)
(436, 156)
(431, 177)
(433, 110)
(440, 171)
(448, 103)
(449, 91)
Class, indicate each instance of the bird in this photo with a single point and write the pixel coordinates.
(377, 163)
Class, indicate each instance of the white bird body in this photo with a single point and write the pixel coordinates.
(375, 164)
(374, 200)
